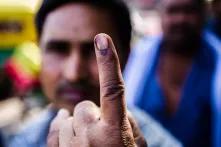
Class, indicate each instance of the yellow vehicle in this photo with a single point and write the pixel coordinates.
(16, 24)
(17, 21)
(19, 55)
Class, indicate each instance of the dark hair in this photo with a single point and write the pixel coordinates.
(215, 1)
(116, 8)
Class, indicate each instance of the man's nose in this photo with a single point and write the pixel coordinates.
(74, 68)
(180, 18)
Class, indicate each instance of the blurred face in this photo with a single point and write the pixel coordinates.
(181, 20)
(69, 72)
(217, 9)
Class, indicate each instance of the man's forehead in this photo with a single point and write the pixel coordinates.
(76, 21)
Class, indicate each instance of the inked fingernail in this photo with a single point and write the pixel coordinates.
(102, 44)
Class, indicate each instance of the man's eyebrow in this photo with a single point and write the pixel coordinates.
(88, 42)
(57, 43)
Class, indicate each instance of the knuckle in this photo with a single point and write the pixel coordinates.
(84, 106)
(113, 89)
(85, 112)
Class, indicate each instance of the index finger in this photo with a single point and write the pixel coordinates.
(112, 101)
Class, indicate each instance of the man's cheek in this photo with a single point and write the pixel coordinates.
(51, 62)
(94, 72)
(49, 77)
(47, 83)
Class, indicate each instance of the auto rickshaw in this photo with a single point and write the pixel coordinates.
(19, 65)
(17, 40)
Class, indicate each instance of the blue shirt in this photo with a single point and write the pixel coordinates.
(216, 93)
(35, 134)
(193, 121)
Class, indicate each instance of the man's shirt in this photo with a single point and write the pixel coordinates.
(192, 122)
(35, 134)
(216, 93)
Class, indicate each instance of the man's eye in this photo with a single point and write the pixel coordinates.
(62, 48)
(87, 49)
(172, 10)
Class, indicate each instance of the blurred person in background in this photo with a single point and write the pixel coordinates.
(69, 71)
(171, 77)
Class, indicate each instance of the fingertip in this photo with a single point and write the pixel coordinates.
(63, 113)
(102, 35)
(101, 44)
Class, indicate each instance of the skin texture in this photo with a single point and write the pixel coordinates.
(79, 79)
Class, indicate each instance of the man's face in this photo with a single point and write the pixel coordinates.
(181, 19)
(69, 72)
(216, 5)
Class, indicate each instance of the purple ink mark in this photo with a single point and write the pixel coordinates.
(104, 52)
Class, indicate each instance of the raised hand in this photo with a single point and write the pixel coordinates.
(107, 126)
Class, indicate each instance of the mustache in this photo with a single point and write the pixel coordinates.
(79, 85)
(184, 27)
